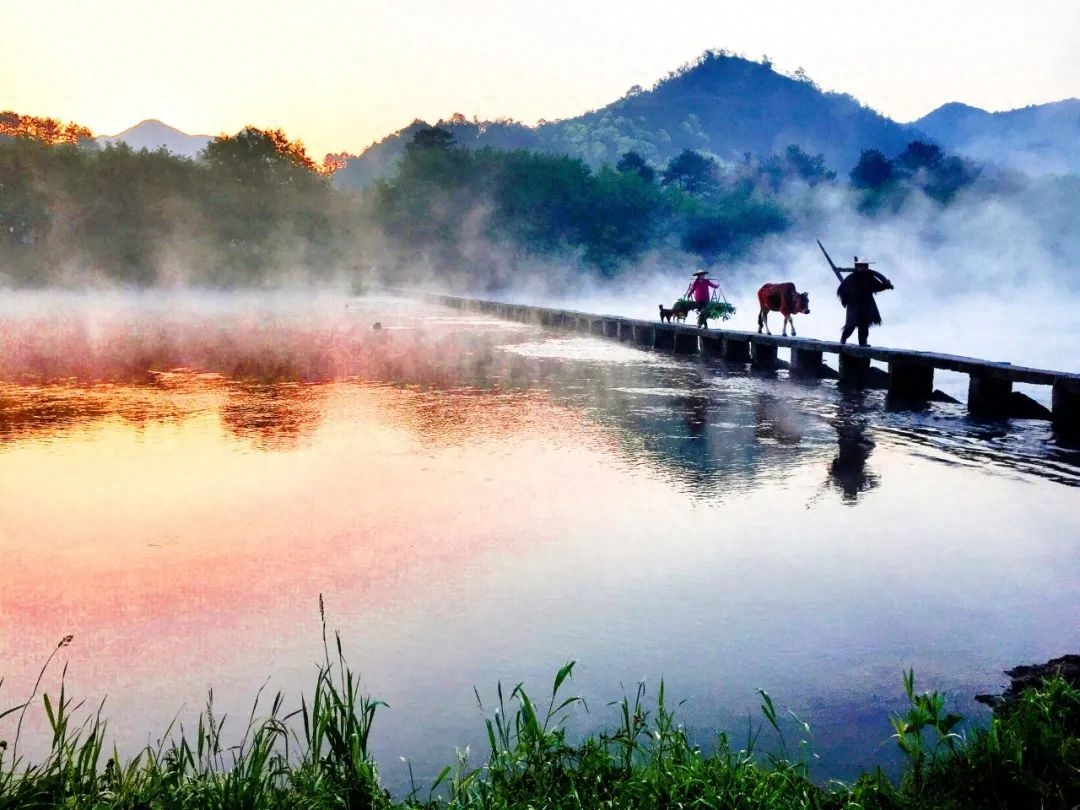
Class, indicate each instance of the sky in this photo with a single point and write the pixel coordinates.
(341, 75)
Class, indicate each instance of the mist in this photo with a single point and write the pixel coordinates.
(980, 276)
(983, 278)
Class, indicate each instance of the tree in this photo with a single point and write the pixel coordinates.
(254, 148)
(46, 130)
(811, 169)
(432, 138)
(949, 176)
(920, 155)
(266, 196)
(692, 172)
(873, 170)
(633, 162)
(625, 213)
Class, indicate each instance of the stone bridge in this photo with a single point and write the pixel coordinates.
(909, 379)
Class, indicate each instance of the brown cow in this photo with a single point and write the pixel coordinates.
(782, 298)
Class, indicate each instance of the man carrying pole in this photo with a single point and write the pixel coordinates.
(856, 293)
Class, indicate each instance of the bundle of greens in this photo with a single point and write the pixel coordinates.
(719, 310)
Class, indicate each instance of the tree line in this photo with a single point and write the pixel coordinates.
(70, 210)
(253, 208)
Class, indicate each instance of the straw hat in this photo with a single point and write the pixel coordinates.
(701, 272)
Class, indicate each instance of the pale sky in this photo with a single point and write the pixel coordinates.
(341, 75)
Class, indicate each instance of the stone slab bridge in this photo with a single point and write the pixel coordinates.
(910, 376)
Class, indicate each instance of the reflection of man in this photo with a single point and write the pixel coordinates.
(848, 470)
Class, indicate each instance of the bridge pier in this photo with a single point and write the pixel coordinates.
(853, 369)
(988, 396)
(805, 363)
(736, 349)
(596, 326)
(626, 331)
(910, 381)
(644, 335)
(664, 338)
(712, 346)
(762, 355)
(611, 328)
(686, 343)
(1065, 408)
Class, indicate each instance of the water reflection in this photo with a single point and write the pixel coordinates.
(848, 471)
(695, 414)
(272, 416)
(498, 499)
(701, 425)
(776, 421)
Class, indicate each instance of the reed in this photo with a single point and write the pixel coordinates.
(318, 756)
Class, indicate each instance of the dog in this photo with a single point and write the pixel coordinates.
(665, 314)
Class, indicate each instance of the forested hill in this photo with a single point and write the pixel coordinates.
(721, 105)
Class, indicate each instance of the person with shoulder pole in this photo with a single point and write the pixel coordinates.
(700, 290)
(856, 293)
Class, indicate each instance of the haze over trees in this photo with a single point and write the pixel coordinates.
(255, 209)
(255, 203)
(717, 159)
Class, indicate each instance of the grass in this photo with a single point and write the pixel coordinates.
(318, 756)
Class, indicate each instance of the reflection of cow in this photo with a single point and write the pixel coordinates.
(782, 298)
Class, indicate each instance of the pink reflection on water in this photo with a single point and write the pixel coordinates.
(177, 496)
(153, 523)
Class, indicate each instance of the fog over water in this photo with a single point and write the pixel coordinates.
(181, 475)
(183, 472)
(983, 278)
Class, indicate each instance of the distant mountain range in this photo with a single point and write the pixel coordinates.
(728, 107)
(1037, 140)
(153, 135)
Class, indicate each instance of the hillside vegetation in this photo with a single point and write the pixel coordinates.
(721, 105)
(253, 209)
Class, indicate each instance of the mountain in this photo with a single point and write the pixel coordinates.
(723, 105)
(154, 135)
(1037, 140)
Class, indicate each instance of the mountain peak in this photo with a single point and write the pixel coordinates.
(153, 134)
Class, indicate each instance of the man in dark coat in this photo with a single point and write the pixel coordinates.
(856, 293)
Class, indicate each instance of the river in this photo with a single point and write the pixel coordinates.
(182, 476)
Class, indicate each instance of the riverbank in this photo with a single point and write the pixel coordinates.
(319, 756)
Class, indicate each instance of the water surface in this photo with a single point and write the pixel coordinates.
(181, 477)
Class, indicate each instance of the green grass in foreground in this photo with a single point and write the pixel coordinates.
(318, 757)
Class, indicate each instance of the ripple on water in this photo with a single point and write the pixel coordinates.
(589, 350)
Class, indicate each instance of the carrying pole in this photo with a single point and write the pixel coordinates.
(835, 269)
